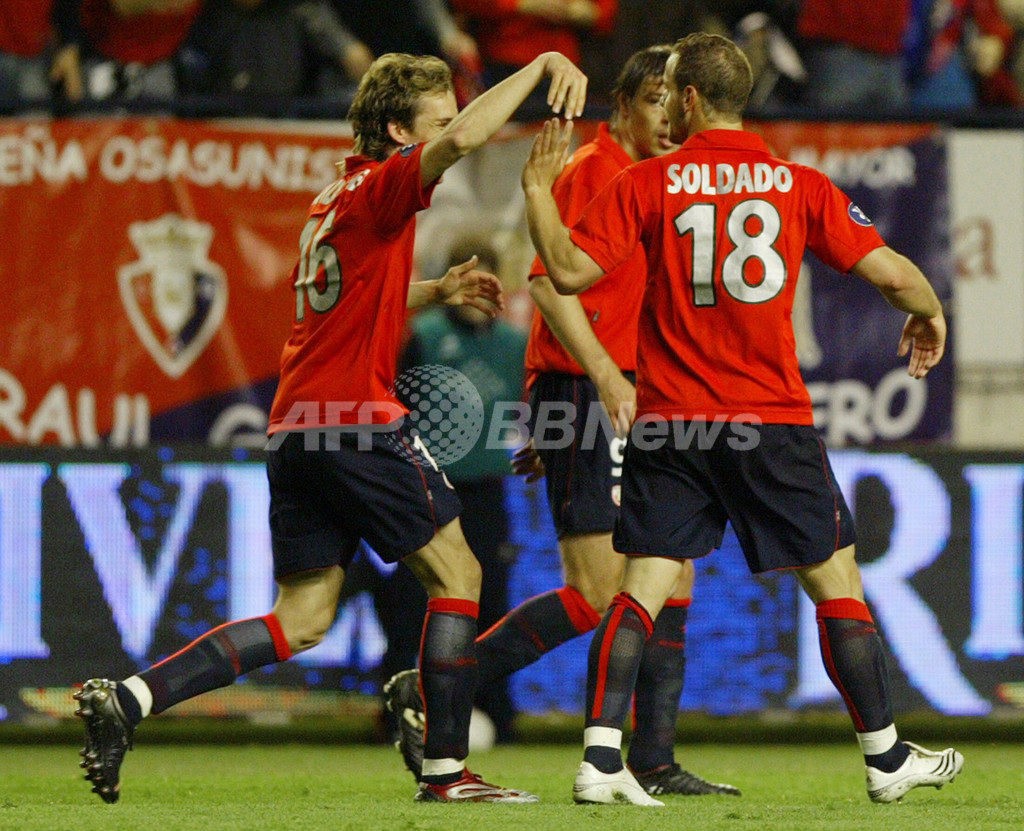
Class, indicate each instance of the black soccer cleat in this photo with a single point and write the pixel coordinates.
(108, 736)
(672, 779)
(402, 697)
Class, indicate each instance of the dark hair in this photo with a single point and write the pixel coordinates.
(640, 66)
(717, 68)
(390, 91)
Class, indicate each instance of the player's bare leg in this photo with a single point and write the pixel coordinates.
(855, 660)
(303, 612)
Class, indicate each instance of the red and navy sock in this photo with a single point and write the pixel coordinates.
(448, 680)
(855, 661)
(214, 660)
(612, 666)
(532, 629)
(659, 685)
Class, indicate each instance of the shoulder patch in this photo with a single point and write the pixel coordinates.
(858, 216)
(407, 150)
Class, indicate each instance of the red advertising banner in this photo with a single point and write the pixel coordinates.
(146, 264)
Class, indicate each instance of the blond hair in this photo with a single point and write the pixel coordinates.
(390, 91)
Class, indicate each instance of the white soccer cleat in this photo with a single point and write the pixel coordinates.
(592, 786)
(923, 768)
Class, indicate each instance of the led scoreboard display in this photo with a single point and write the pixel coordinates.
(110, 561)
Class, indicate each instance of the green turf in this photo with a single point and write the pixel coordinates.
(363, 788)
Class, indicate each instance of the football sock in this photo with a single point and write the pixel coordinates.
(448, 680)
(855, 662)
(602, 747)
(659, 685)
(214, 660)
(532, 629)
(614, 661)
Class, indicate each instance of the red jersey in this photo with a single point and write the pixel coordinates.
(612, 304)
(140, 38)
(725, 225)
(25, 27)
(351, 286)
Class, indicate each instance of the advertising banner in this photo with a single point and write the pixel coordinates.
(147, 264)
(110, 561)
(846, 333)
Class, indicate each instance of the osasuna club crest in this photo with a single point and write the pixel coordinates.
(175, 296)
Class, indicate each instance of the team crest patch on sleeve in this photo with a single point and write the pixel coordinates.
(407, 150)
(858, 216)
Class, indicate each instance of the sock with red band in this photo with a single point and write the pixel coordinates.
(532, 629)
(659, 685)
(855, 661)
(448, 677)
(214, 660)
(614, 661)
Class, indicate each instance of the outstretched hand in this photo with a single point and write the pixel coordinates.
(526, 462)
(925, 339)
(548, 156)
(568, 88)
(463, 285)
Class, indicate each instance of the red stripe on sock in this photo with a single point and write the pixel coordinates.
(626, 599)
(677, 603)
(602, 663)
(844, 607)
(581, 614)
(184, 649)
(281, 648)
(454, 606)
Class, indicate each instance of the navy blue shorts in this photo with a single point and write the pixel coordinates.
(583, 476)
(779, 493)
(326, 498)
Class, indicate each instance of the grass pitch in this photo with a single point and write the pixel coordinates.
(364, 788)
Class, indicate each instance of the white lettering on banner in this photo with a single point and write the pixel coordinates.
(877, 167)
(997, 531)
(250, 562)
(55, 417)
(33, 155)
(920, 531)
(21, 584)
(252, 165)
(725, 178)
(849, 409)
(136, 598)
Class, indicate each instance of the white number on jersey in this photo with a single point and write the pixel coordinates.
(315, 254)
(699, 220)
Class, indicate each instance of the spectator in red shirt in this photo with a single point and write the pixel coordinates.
(853, 53)
(511, 33)
(127, 48)
(34, 56)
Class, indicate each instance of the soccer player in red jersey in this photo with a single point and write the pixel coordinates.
(582, 352)
(724, 429)
(340, 465)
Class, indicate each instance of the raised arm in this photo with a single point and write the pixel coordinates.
(569, 267)
(482, 118)
(904, 286)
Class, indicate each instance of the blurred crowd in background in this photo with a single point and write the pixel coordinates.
(850, 56)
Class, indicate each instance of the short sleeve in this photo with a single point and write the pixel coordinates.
(394, 192)
(609, 228)
(839, 233)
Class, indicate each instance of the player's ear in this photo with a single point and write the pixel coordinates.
(398, 134)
